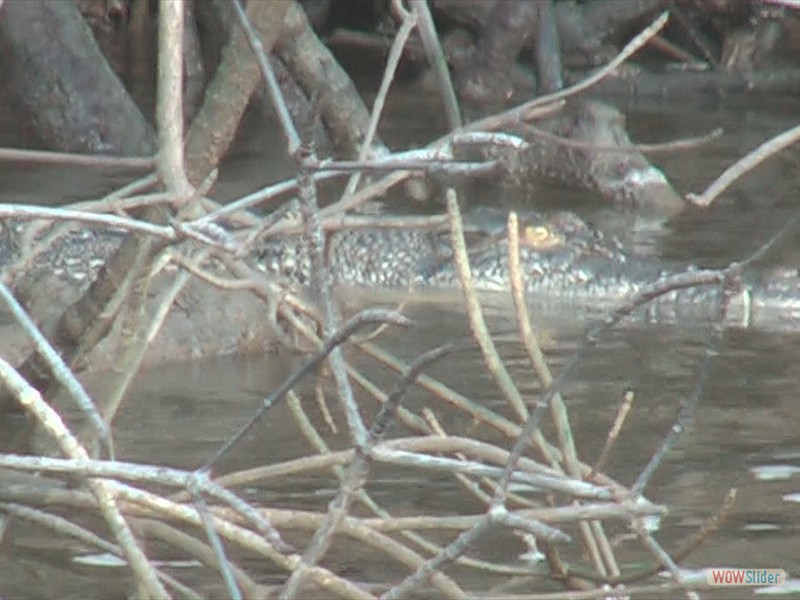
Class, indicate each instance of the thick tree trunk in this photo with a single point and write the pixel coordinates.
(81, 327)
(53, 68)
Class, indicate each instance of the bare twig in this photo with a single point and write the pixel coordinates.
(223, 564)
(245, 538)
(745, 165)
(662, 148)
(686, 415)
(476, 320)
(142, 336)
(435, 164)
(108, 202)
(62, 373)
(448, 554)
(32, 401)
(558, 409)
(677, 12)
(274, 90)
(62, 526)
(666, 560)
(539, 107)
(260, 196)
(159, 475)
(169, 108)
(354, 478)
(25, 212)
(613, 434)
(77, 160)
(393, 60)
(172, 536)
(362, 319)
(312, 229)
(389, 409)
(528, 110)
(433, 49)
(695, 541)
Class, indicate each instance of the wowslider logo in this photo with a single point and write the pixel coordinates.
(725, 576)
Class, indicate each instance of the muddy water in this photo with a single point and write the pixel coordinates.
(746, 433)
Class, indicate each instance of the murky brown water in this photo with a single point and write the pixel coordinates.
(748, 418)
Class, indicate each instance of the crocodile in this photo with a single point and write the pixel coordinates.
(564, 261)
(586, 146)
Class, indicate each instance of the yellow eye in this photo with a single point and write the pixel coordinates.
(539, 236)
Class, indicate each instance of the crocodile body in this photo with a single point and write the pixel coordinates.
(565, 263)
(563, 260)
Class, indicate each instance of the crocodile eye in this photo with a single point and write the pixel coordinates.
(539, 236)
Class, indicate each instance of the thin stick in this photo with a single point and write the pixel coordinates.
(244, 537)
(222, 563)
(524, 111)
(613, 434)
(538, 107)
(355, 476)
(262, 195)
(32, 401)
(63, 526)
(362, 319)
(744, 165)
(273, 88)
(25, 212)
(77, 160)
(189, 544)
(662, 148)
(435, 164)
(393, 60)
(686, 415)
(322, 284)
(62, 373)
(169, 107)
(433, 49)
(476, 321)
(134, 354)
(312, 231)
(558, 409)
(687, 547)
(665, 559)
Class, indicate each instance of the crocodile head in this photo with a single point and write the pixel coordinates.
(611, 162)
(561, 255)
(587, 146)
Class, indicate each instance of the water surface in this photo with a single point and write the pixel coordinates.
(745, 434)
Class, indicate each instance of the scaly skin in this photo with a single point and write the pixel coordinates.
(600, 157)
(565, 262)
(563, 259)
